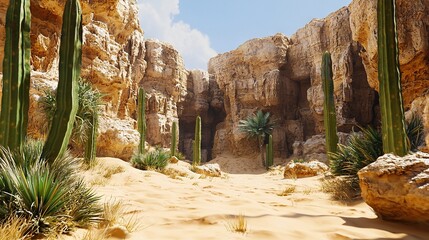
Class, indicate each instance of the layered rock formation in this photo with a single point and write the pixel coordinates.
(282, 75)
(397, 188)
(116, 60)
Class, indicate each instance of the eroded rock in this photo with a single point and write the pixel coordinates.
(397, 188)
(304, 169)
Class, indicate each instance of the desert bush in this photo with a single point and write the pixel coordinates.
(153, 160)
(360, 150)
(238, 224)
(51, 196)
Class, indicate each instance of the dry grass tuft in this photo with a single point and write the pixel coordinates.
(173, 173)
(95, 234)
(238, 224)
(114, 212)
(110, 171)
(287, 191)
(342, 189)
(14, 228)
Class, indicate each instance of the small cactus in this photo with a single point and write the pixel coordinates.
(270, 152)
(16, 75)
(67, 90)
(197, 143)
(91, 144)
(173, 146)
(141, 119)
(392, 110)
(329, 115)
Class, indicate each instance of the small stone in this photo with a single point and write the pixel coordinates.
(211, 170)
(173, 159)
(306, 169)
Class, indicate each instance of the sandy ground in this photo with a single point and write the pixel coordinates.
(194, 207)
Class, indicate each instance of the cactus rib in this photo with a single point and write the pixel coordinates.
(67, 90)
(141, 119)
(16, 75)
(329, 114)
(392, 111)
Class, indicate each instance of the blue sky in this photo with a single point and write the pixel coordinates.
(200, 29)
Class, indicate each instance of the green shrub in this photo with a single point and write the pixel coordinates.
(415, 132)
(365, 147)
(51, 196)
(153, 160)
(360, 150)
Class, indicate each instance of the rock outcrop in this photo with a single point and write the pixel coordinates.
(304, 169)
(398, 188)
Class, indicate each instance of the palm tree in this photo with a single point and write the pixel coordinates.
(258, 126)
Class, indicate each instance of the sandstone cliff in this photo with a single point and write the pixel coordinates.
(282, 75)
(116, 60)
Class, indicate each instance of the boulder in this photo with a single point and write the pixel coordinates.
(397, 188)
(305, 169)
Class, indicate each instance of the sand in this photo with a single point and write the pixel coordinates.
(194, 207)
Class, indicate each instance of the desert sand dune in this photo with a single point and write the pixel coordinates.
(194, 207)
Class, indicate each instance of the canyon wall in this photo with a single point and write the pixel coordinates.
(282, 75)
(116, 59)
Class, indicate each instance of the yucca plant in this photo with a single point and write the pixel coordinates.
(415, 132)
(50, 195)
(258, 126)
(153, 160)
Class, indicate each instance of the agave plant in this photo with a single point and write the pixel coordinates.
(50, 195)
(153, 160)
(258, 126)
(415, 132)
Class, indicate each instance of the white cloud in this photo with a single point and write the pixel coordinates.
(157, 21)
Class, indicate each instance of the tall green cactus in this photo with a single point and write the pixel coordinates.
(173, 146)
(67, 90)
(270, 152)
(91, 143)
(141, 119)
(329, 115)
(389, 76)
(16, 75)
(197, 143)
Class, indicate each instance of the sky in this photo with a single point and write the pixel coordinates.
(201, 29)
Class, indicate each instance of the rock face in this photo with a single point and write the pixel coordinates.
(282, 75)
(398, 188)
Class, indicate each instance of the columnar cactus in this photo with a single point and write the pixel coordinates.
(91, 143)
(67, 90)
(16, 75)
(141, 119)
(197, 142)
(329, 115)
(389, 76)
(173, 146)
(270, 152)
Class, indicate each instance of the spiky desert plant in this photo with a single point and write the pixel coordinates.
(329, 115)
(16, 75)
(173, 146)
(153, 160)
(258, 126)
(415, 132)
(141, 119)
(69, 73)
(360, 150)
(197, 142)
(389, 76)
(269, 152)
